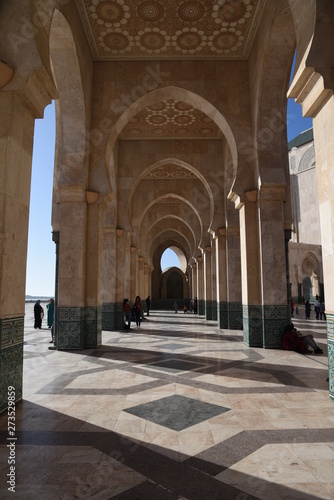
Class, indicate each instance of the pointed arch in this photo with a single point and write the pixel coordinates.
(151, 98)
(71, 158)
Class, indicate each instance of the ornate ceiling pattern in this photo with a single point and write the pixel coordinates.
(171, 119)
(148, 29)
(170, 171)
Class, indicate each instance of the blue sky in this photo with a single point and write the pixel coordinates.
(40, 280)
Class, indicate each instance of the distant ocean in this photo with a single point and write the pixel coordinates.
(43, 298)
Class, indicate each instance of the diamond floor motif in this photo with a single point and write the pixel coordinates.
(177, 412)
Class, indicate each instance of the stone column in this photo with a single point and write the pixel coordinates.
(194, 281)
(133, 273)
(250, 270)
(16, 145)
(109, 278)
(120, 265)
(146, 287)
(190, 285)
(275, 307)
(233, 259)
(207, 283)
(221, 272)
(72, 274)
(141, 285)
(200, 286)
(213, 278)
(127, 266)
(94, 270)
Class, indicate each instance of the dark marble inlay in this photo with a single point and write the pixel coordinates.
(177, 412)
(175, 364)
(173, 346)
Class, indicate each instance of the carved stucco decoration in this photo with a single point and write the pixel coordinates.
(171, 119)
(170, 171)
(173, 29)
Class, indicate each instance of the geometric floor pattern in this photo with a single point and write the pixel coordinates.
(176, 410)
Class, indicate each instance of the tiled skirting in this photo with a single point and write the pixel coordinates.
(214, 310)
(330, 340)
(264, 325)
(78, 327)
(235, 320)
(201, 307)
(222, 314)
(113, 316)
(11, 358)
(275, 319)
(108, 317)
(253, 327)
(208, 309)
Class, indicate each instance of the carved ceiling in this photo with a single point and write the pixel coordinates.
(170, 171)
(129, 30)
(170, 29)
(171, 119)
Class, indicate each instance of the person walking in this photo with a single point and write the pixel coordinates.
(148, 305)
(307, 309)
(127, 313)
(137, 309)
(316, 306)
(322, 310)
(38, 314)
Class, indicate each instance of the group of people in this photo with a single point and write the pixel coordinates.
(135, 312)
(39, 315)
(319, 309)
(192, 304)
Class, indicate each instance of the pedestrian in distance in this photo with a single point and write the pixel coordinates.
(50, 310)
(127, 314)
(38, 314)
(148, 305)
(137, 310)
(307, 309)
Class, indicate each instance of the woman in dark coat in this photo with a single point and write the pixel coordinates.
(38, 310)
(307, 309)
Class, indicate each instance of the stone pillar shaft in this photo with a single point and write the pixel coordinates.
(133, 273)
(16, 145)
(72, 275)
(207, 283)
(108, 278)
(200, 286)
(275, 309)
(234, 303)
(221, 273)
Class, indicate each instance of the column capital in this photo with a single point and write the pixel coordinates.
(232, 230)
(308, 89)
(272, 193)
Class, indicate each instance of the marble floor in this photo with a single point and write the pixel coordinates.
(175, 410)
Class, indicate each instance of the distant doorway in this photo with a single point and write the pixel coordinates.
(174, 286)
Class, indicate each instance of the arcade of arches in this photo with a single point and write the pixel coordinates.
(171, 132)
